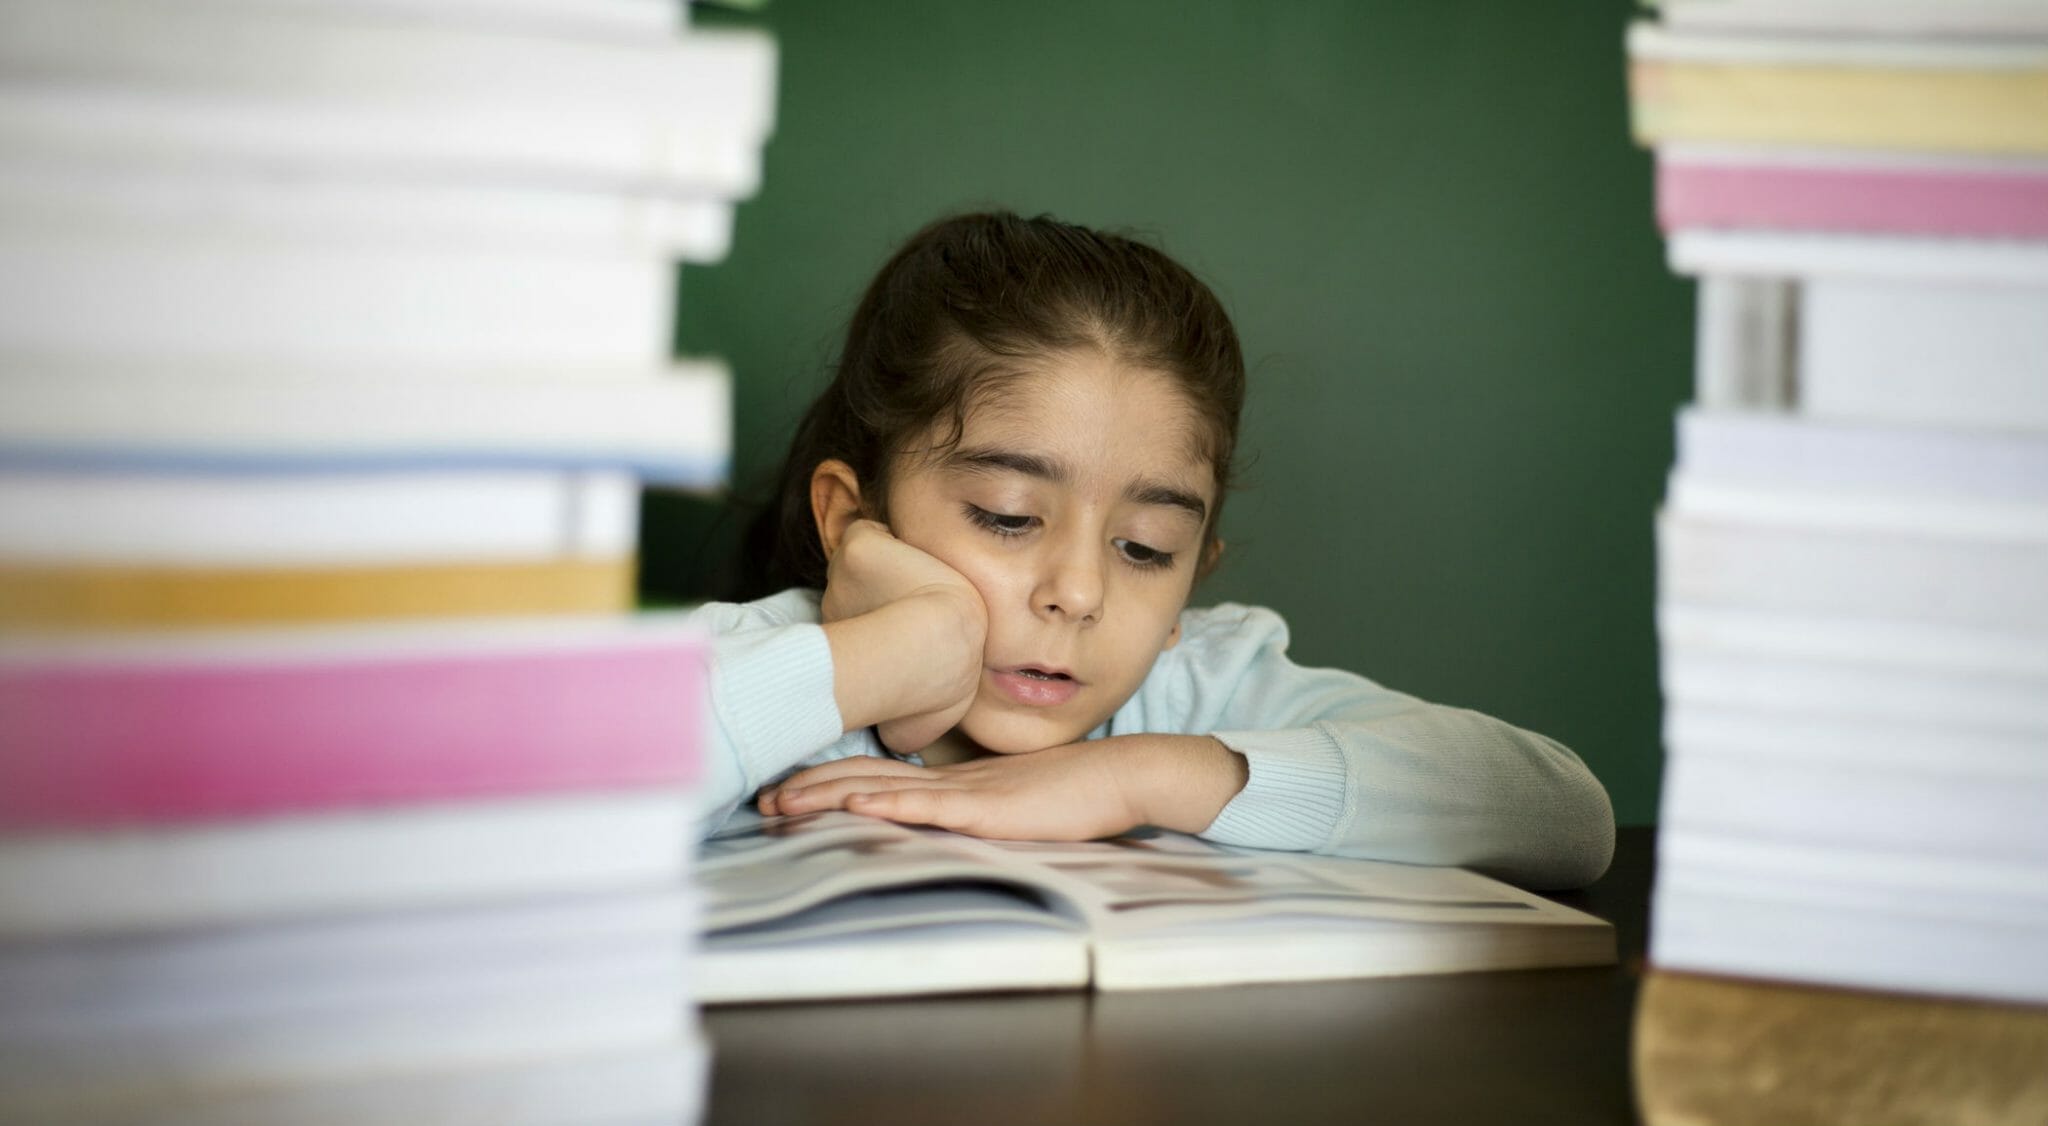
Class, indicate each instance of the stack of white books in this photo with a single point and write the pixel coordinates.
(339, 780)
(394, 872)
(1853, 550)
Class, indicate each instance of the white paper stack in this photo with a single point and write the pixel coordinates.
(323, 325)
(1853, 549)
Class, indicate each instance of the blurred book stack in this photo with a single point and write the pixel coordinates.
(1850, 916)
(339, 781)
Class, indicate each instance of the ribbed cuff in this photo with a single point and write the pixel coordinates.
(1295, 793)
(773, 693)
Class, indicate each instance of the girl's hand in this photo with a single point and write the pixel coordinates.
(906, 632)
(1080, 791)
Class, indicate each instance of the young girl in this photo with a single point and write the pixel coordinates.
(988, 529)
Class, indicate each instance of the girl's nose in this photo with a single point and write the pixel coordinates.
(1070, 584)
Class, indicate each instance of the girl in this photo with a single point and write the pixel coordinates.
(984, 542)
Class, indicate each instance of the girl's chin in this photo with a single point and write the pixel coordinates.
(1015, 735)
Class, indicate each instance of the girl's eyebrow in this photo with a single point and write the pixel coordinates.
(985, 460)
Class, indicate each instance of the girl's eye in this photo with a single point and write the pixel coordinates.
(1138, 555)
(1001, 524)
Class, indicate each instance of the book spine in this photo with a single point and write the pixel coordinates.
(1747, 923)
(1973, 203)
(1990, 110)
(86, 299)
(670, 428)
(1951, 581)
(320, 866)
(1807, 255)
(1915, 20)
(241, 205)
(255, 84)
(164, 598)
(315, 520)
(1761, 797)
(119, 742)
(1913, 463)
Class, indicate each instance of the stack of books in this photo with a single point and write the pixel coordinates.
(1850, 916)
(338, 780)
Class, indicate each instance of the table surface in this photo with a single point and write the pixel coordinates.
(1513, 1047)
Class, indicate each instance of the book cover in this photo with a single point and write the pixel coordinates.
(837, 905)
(657, 1081)
(1732, 1052)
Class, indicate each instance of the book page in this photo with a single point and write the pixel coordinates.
(888, 910)
(770, 868)
(1158, 880)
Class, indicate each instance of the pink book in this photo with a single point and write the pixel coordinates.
(181, 728)
(1860, 193)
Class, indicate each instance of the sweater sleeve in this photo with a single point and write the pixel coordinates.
(772, 704)
(1340, 765)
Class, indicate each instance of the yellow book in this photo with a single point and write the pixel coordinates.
(1713, 1051)
(87, 597)
(1965, 98)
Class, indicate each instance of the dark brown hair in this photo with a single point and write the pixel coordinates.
(964, 308)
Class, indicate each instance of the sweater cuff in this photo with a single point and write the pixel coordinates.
(773, 693)
(1294, 795)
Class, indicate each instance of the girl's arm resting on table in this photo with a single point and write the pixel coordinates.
(1340, 765)
(1433, 785)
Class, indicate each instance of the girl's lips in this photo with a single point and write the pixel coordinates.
(1034, 687)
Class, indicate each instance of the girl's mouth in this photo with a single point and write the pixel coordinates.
(1035, 687)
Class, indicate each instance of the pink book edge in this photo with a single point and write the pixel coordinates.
(125, 743)
(1907, 201)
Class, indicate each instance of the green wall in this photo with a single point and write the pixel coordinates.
(1435, 237)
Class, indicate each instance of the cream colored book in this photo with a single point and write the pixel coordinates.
(836, 905)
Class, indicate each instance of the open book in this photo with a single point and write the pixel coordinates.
(837, 905)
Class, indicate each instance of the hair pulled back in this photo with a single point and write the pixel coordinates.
(968, 305)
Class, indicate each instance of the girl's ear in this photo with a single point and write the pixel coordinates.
(835, 502)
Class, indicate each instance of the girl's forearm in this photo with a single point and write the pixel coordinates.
(1178, 782)
(912, 656)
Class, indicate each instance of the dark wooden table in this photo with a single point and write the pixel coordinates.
(1517, 1047)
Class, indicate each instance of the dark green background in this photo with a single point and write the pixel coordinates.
(1435, 237)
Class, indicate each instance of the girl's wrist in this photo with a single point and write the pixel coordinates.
(1179, 782)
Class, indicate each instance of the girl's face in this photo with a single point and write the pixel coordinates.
(1075, 503)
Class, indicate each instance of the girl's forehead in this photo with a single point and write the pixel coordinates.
(1089, 405)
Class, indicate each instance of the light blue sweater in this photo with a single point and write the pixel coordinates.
(1338, 764)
